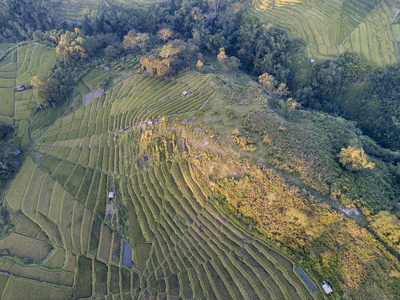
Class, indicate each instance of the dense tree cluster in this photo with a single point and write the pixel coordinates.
(355, 88)
(47, 91)
(20, 18)
(173, 56)
(8, 160)
(72, 47)
(216, 24)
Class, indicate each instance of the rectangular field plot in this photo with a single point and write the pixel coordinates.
(7, 102)
(7, 82)
(45, 195)
(16, 193)
(83, 287)
(35, 273)
(25, 226)
(25, 247)
(101, 270)
(56, 203)
(18, 288)
(105, 243)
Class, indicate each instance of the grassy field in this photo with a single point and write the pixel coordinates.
(182, 245)
(332, 27)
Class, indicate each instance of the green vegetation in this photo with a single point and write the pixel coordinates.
(356, 89)
(221, 185)
(268, 201)
(354, 159)
(333, 27)
(22, 65)
(184, 194)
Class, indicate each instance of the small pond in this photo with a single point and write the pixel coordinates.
(306, 279)
(127, 255)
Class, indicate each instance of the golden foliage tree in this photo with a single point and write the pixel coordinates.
(135, 40)
(231, 63)
(288, 106)
(267, 81)
(39, 85)
(72, 47)
(173, 55)
(222, 57)
(165, 34)
(354, 159)
(169, 51)
(156, 65)
(282, 90)
(242, 142)
(199, 65)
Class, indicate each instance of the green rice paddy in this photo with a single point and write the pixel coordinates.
(18, 68)
(71, 10)
(335, 26)
(183, 246)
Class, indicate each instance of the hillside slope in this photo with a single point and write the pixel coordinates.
(182, 245)
(333, 27)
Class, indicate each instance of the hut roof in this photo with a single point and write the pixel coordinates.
(327, 288)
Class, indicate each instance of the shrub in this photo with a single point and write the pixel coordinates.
(242, 142)
(288, 106)
(267, 81)
(354, 159)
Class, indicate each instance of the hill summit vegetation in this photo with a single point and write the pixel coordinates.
(189, 149)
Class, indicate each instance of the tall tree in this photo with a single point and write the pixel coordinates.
(72, 47)
(354, 159)
(165, 34)
(267, 81)
(47, 90)
(135, 40)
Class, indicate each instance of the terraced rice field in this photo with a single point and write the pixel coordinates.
(335, 26)
(182, 246)
(71, 10)
(134, 2)
(18, 68)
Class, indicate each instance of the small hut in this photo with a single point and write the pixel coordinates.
(185, 93)
(327, 288)
(21, 88)
(106, 68)
(312, 60)
(111, 195)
